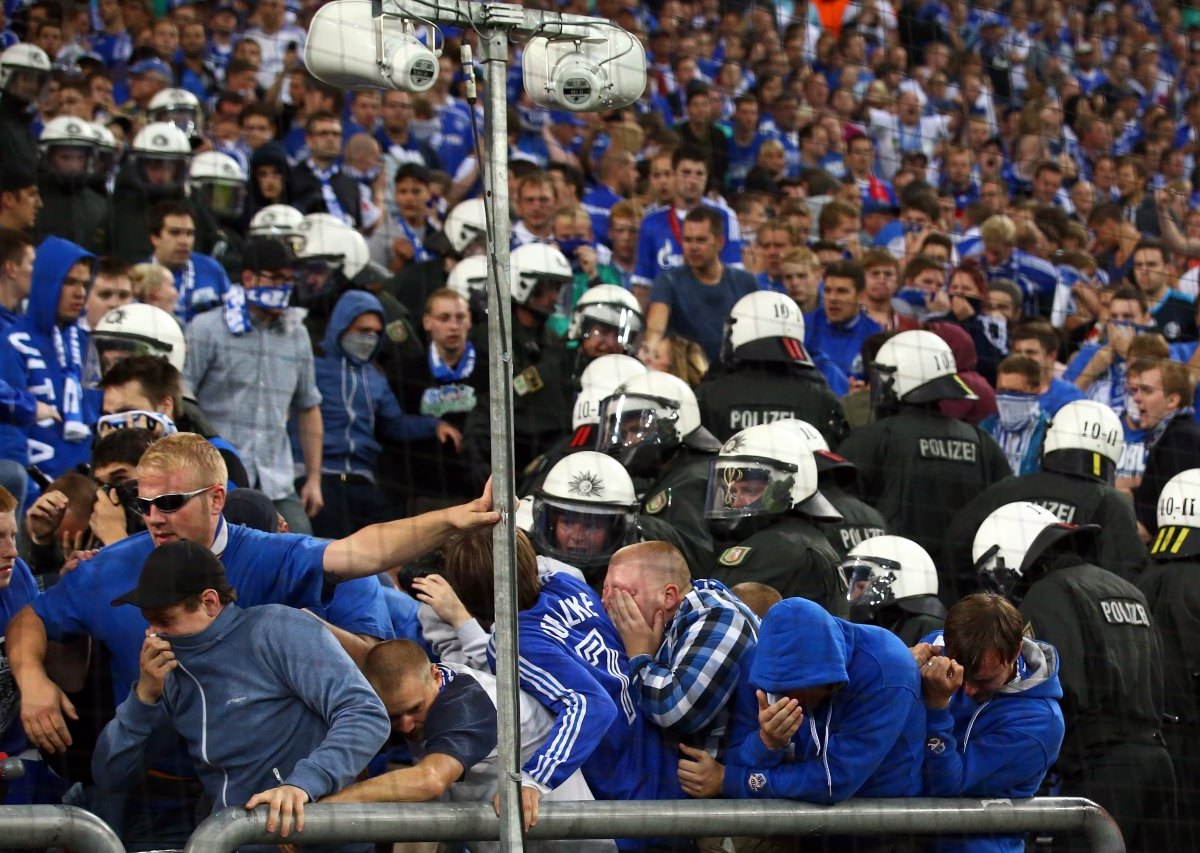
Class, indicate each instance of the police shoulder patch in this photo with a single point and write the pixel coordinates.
(657, 503)
(735, 555)
(398, 331)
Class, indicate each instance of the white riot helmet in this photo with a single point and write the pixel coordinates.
(648, 415)
(278, 222)
(585, 510)
(218, 182)
(886, 571)
(533, 264)
(329, 246)
(610, 317)
(179, 107)
(1010, 542)
(107, 150)
(1084, 438)
(138, 329)
(759, 473)
(598, 381)
(469, 276)
(919, 367)
(160, 154)
(24, 70)
(68, 148)
(1178, 517)
(766, 326)
(810, 437)
(465, 224)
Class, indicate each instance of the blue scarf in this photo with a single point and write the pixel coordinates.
(238, 300)
(70, 360)
(332, 205)
(442, 372)
(1156, 433)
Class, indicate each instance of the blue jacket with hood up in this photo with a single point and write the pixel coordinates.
(356, 402)
(28, 363)
(1001, 747)
(866, 740)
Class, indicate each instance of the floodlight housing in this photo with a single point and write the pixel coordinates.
(349, 48)
(605, 70)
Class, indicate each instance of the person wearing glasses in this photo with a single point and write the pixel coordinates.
(318, 184)
(43, 353)
(250, 366)
(181, 494)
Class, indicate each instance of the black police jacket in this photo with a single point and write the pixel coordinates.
(1172, 589)
(756, 393)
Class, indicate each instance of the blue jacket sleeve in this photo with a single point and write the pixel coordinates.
(994, 761)
(393, 423)
(118, 759)
(582, 710)
(17, 406)
(358, 725)
(359, 606)
(863, 738)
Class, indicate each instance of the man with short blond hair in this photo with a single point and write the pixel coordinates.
(1163, 393)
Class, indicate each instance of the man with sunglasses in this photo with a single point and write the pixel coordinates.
(181, 493)
(250, 366)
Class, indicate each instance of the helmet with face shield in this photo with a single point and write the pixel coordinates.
(886, 571)
(607, 319)
(68, 150)
(278, 222)
(584, 511)
(534, 265)
(598, 381)
(469, 277)
(1013, 540)
(24, 71)
(107, 150)
(759, 474)
(330, 249)
(218, 182)
(649, 416)
(135, 329)
(180, 108)
(160, 154)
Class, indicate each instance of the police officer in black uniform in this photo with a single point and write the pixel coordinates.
(765, 374)
(1079, 459)
(762, 504)
(893, 584)
(1112, 671)
(1171, 584)
(541, 365)
(71, 208)
(651, 425)
(916, 465)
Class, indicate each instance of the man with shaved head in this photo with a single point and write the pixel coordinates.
(690, 645)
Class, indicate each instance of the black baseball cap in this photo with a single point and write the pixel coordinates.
(264, 255)
(172, 573)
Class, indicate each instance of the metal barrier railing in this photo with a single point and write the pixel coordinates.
(26, 827)
(231, 828)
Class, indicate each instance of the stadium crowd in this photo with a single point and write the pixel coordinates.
(854, 371)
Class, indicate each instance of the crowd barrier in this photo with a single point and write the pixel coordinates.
(27, 827)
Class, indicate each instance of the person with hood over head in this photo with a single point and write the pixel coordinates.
(357, 405)
(840, 716)
(971, 411)
(270, 176)
(992, 715)
(44, 354)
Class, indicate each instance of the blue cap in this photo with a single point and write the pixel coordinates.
(566, 117)
(153, 66)
(880, 206)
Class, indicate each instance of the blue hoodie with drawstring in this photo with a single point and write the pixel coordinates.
(866, 740)
(1001, 747)
(30, 362)
(356, 402)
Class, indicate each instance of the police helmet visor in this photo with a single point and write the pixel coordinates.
(68, 159)
(741, 486)
(184, 118)
(869, 581)
(224, 198)
(579, 533)
(26, 84)
(630, 420)
(107, 349)
(106, 161)
(156, 422)
(314, 276)
(604, 320)
(161, 171)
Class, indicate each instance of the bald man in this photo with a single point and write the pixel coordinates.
(690, 645)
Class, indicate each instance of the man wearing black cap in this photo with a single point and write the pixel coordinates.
(250, 364)
(245, 670)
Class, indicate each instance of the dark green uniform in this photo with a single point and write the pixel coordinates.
(1171, 584)
(918, 467)
(860, 521)
(756, 393)
(17, 141)
(219, 241)
(532, 476)
(793, 557)
(677, 497)
(1112, 680)
(79, 214)
(131, 206)
(1074, 499)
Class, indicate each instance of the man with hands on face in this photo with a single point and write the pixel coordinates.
(993, 722)
(237, 671)
(690, 646)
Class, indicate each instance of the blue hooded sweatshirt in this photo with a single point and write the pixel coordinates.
(31, 362)
(356, 402)
(866, 740)
(1001, 747)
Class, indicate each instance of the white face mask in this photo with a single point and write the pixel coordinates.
(1131, 409)
(359, 346)
(1016, 410)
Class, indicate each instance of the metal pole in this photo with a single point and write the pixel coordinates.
(494, 53)
(27, 827)
(231, 828)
